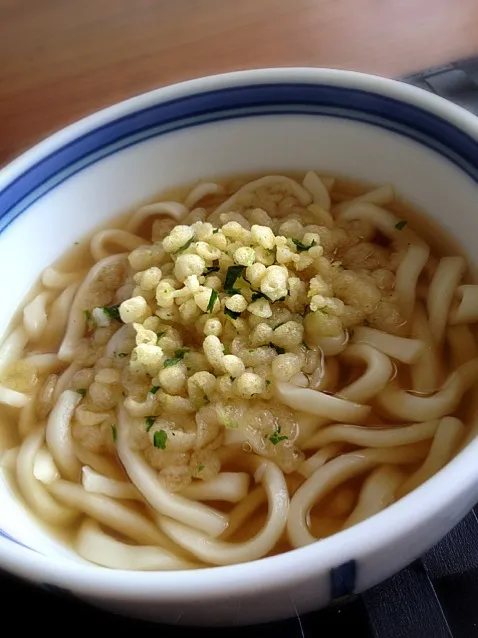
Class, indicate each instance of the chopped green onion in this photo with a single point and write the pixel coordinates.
(186, 245)
(268, 382)
(212, 300)
(227, 349)
(201, 468)
(233, 291)
(159, 439)
(216, 230)
(82, 391)
(278, 349)
(275, 438)
(154, 389)
(113, 431)
(231, 313)
(211, 269)
(150, 421)
(233, 273)
(178, 356)
(301, 247)
(88, 316)
(112, 312)
(401, 225)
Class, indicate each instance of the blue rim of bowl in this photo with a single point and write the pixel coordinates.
(453, 136)
(260, 100)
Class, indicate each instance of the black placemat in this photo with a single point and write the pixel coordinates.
(435, 596)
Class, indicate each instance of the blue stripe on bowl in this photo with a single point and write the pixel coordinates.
(343, 579)
(4, 534)
(238, 102)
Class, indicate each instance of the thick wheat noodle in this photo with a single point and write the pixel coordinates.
(399, 348)
(448, 435)
(320, 404)
(35, 317)
(113, 345)
(201, 190)
(44, 468)
(27, 418)
(52, 278)
(34, 492)
(378, 492)
(379, 196)
(45, 363)
(100, 548)
(378, 372)
(466, 310)
(8, 458)
(12, 348)
(407, 275)
(390, 436)
(13, 398)
(381, 219)
(333, 474)
(98, 483)
(58, 435)
(319, 458)
(122, 239)
(244, 510)
(440, 293)
(169, 209)
(109, 512)
(427, 372)
(219, 552)
(461, 344)
(292, 186)
(65, 378)
(164, 502)
(58, 316)
(226, 486)
(101, 463)
(332, 346)
(400, 404)
(320, 195)
(77, 320)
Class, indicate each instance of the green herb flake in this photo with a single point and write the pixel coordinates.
(88, 316)
(231, 313)
(210, 269)
(227, 349)
(178, 356)
(301, 247)
(154, 389)
(185, 246)
(112, 312)
(159, 439)
(268, 382)
(150, 421)
(82, 392)
(401, 224)
(233, 273)
(113, 432)
(233, 291)
(276, 438)
(215, 231)
(278, 349)
(201, 468)
(212, 300)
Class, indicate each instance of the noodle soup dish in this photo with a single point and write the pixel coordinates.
(240, 345)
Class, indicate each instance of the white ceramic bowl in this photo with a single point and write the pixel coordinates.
(360, 126)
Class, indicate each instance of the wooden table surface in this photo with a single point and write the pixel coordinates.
(63, 59)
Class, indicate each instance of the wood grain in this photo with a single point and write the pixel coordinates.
(63, 59)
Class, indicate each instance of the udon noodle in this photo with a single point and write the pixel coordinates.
(238, 373)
